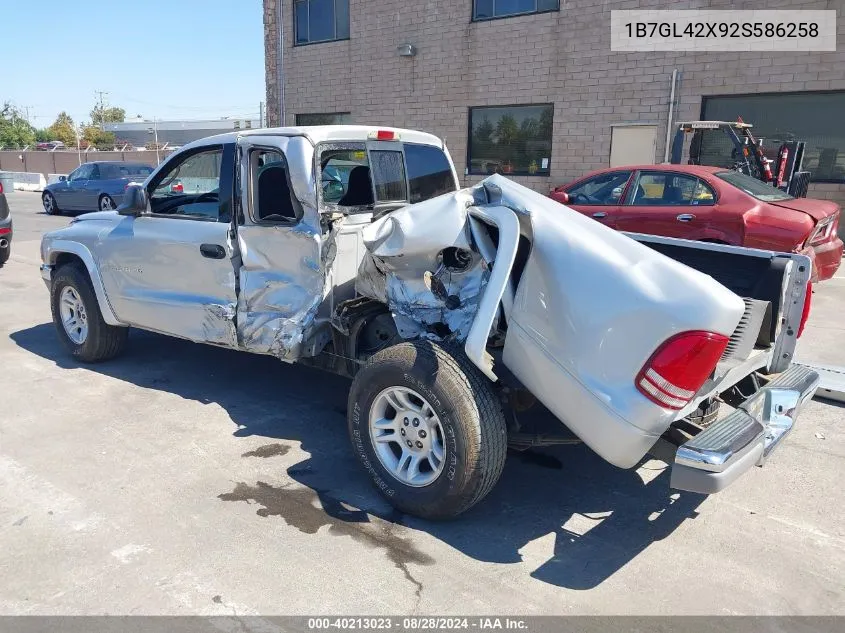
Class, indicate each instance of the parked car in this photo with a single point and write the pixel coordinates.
(445, 311)
(49, 146)
(710, 204)
(5, 227)
(93, 186)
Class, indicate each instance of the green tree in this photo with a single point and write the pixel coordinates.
(482, 139)
(63, 129)
(14, 129)
(42, 135)
(100, 115)
(97, 137)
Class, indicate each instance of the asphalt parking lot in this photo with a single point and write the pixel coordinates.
(185, 479)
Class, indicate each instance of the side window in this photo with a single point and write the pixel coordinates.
(95, 173)
(703, 194)
(388, 175)
(602, 189)
(81, 173)
(429, 172)
(272, 199)
(669, 189)
(345, 177)
(191, 187)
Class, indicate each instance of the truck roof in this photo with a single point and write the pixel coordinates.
(324, 133)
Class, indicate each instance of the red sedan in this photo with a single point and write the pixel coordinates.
(709, 204)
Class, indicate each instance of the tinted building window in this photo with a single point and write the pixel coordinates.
(335, 118)
(429, 172)
(812, 117)
(511, 140)
(321, 20)
(489, 9)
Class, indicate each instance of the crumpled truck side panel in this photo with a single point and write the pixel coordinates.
(283, 269)
(406, 267)
(591, 307)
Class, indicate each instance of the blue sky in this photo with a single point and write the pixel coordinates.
(168, 59)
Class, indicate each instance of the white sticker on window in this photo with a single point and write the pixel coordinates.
(544, 164)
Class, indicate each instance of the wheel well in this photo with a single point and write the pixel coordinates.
(62, 259)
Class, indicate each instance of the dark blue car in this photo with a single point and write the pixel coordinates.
(93, 186)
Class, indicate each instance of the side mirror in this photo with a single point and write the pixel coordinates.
(134, 200)
(62, 178)
(562, 196)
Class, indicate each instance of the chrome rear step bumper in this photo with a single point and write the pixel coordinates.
(716, 457)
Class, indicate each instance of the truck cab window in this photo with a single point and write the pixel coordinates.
(345, 177)
(272, 200)
(190, 188)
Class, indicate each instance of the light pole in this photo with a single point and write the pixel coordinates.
(154, 131)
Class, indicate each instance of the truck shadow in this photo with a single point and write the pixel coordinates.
(601, 517)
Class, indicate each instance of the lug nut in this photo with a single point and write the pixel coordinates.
(410, 444)
(419, 444)
(402, 431)
(422, 433)
(405, 422)
(416, 422)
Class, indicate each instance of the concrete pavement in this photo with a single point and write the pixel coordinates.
(186, 479)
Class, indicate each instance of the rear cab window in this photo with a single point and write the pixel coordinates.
(365, 176)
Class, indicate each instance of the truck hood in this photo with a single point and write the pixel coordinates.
(816, 209)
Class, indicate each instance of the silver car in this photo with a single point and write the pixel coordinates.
(93, 186)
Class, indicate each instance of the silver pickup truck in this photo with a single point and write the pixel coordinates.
(351, 248)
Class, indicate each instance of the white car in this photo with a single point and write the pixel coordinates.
(446, 305)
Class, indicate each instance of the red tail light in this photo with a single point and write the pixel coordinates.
(5, 230)
(676, 371)
(1, 187)
(805, 313)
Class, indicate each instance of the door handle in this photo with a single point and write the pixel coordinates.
(598, 215)
(685, 217)
(212, 251)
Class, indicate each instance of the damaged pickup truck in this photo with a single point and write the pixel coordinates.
(350, 248)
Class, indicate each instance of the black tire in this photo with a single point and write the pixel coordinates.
(112, 206)
(52, 208)
(103, 341)
(470, 414)
(4, 254)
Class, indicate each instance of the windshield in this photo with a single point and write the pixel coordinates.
(753, 187)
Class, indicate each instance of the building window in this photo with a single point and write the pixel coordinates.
(510, 140)
(812, 117)
(490, 9)
(331, 118)
(321, 20)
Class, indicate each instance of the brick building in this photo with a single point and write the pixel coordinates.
(456, 69)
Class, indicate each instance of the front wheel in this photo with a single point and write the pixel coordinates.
(77, 317)
(49, 202)
(428, 428)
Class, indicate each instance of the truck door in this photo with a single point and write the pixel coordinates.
(170, 269)
(280, 239)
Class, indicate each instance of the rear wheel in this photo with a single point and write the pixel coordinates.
(49, 202)
(428, 428)
(78, 320)
(106, 203)
(4, 253)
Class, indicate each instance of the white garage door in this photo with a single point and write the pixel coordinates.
(632, 144)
